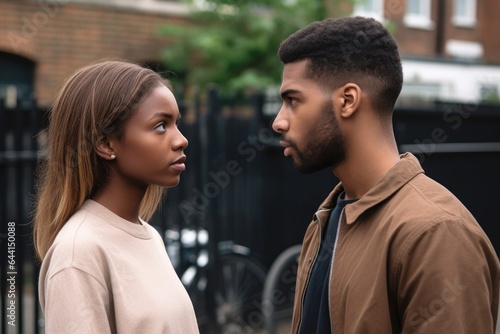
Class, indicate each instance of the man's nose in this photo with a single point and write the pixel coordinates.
(280, 124)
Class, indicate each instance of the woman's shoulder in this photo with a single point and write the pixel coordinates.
(83, 227)
(82, 233)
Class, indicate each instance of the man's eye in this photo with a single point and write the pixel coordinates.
(293, 100)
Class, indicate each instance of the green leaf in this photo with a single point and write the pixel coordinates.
(233, 43)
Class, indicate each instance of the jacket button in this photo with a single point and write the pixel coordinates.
(310, 259)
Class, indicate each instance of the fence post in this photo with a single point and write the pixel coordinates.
(206, 131)
(18, 157)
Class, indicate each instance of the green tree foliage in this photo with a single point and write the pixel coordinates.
(233, 43)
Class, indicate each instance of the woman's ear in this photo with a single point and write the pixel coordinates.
(350, 99)
(104, 148)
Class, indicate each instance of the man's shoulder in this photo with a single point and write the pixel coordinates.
(424, 198)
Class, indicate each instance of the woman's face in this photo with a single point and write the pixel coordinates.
(151, 151)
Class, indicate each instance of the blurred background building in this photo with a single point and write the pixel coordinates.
(450, 48)
(42, 42)
(448, 114)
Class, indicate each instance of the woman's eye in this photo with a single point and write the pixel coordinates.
(160, 127)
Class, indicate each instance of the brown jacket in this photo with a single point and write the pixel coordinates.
(409, 258)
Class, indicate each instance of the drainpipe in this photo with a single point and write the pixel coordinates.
(440, 28)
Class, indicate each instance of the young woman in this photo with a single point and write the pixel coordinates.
(113, 146)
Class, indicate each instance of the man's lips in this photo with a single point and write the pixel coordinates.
(287, 146)
(179, 163)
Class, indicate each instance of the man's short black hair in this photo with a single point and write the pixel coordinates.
(350, 49)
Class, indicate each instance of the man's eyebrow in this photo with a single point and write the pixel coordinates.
(287, 92)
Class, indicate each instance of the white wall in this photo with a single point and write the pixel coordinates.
(448, 81)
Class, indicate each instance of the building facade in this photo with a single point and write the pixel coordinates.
(450, 48)
(44, 41)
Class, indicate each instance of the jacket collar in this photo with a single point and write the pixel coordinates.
(406, 169)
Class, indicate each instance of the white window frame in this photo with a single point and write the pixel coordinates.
(488, 87)
(464, 49)
(427, 90)
(467, 20)
(421, 20)
(377, 14)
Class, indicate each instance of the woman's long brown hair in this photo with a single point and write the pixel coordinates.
(94, 102)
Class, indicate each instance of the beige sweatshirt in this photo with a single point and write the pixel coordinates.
(104, 274)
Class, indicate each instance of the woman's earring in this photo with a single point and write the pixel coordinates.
(112, 156)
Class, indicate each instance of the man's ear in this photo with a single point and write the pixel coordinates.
(104, 148)
(349, 97)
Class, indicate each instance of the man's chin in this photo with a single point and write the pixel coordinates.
(313, 168)
(305, 169)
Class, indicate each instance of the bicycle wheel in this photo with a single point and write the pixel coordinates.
(279, 288)
(238, 297)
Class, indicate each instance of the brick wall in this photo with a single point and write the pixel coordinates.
(489, 25)
(422, 42)
(61, 37)
(411, 41)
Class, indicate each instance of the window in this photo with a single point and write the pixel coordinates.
(464, 13)
(489, 92)
(464, 49)
(370, 8)
(418, 14)
(16, 81)
(425, 90)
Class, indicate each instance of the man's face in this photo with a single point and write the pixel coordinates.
(307, 122)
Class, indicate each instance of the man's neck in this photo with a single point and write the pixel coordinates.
(363, 170)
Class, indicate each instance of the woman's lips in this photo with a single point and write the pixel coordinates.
(179, 163)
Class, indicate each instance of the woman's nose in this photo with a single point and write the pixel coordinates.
(180, 142)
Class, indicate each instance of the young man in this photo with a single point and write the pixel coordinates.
(389, 250)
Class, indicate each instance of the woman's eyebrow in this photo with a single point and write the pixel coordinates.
(167, 116)
(162, 115)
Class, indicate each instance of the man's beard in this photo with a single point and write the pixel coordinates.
(325, 145)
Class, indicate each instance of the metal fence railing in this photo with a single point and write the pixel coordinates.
(19, 273)
(239, 203)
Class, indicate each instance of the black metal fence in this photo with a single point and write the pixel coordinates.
(459, 146)
(18, 277)
(238, 186)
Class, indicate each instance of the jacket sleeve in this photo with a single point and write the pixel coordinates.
(75, 302)
(448, 281)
